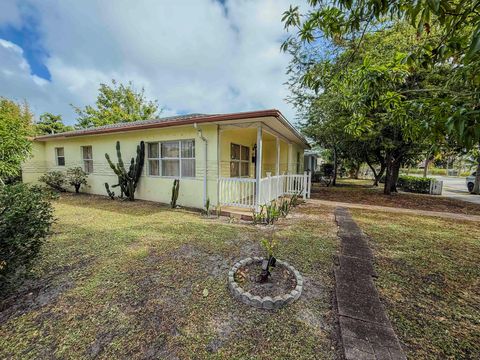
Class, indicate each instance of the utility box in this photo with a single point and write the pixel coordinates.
(436, 187)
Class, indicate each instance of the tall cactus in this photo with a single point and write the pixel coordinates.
(175, 189)
(128, 180)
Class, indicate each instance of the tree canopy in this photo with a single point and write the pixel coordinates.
(51, 124)
(15, 129)
(388, 90)
(115, 104)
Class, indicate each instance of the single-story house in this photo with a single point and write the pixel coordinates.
(312, 160)
(226, 158)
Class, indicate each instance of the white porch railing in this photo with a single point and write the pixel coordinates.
(241, 192)
(238, 192)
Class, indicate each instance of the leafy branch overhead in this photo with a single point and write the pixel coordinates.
(117, 103)
(386, 83)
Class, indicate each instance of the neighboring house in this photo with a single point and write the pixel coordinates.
(227, 158)
(312, 160)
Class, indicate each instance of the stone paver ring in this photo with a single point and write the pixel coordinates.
(266, 302)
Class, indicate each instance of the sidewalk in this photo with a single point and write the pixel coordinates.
(446, 215)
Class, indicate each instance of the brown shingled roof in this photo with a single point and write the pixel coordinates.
(173, 121)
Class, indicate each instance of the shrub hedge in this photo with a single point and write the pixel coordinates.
(26, 214)
(414, 184)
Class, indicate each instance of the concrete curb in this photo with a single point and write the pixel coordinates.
(267, 302)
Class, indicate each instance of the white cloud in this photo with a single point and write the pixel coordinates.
(193, 56)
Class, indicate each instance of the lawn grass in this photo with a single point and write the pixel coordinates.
(362, 192)
(429, 279)
(120, 279)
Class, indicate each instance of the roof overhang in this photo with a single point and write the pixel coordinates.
(220, 118)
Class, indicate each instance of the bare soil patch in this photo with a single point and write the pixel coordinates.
(281, 281)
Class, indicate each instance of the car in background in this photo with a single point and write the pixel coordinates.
(471, 181)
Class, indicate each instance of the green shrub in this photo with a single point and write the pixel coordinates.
(26, 214)
(414, 184)
(76, 177)
(55, 179)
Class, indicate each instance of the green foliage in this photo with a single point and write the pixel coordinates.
(115, 104)
(51, 124)
(15, 128)
(26, 214)
(127, 180)
(175, 190)
(269, 213)
(207, 207)
(55, 180)
(451, 27)
(110, 193)
(414, 184)
(76, 177)
(270, 245)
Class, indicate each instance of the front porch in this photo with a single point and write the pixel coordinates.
(258, 165)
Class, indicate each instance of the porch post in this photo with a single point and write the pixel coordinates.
(258, 162)
(277, 164)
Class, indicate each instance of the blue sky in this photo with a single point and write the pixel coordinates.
(191, 55)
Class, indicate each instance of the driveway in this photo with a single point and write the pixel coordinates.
(456, 188)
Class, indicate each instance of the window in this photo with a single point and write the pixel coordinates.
(172, 158)
(239, 160)
(87, 159)
(60, 156)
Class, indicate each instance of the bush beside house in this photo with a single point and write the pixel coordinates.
(26, 215)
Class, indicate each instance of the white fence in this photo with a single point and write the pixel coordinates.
(241, 192)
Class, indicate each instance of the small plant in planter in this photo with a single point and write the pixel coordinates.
(253, 281)
(270, 246)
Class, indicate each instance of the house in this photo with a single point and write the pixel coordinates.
(226, 158)
(312, 160)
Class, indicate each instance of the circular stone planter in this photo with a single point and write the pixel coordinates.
(266, 302)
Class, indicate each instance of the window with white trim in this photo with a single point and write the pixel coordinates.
(87, 156)
(239, 160)
(171, 158)
(60, 156)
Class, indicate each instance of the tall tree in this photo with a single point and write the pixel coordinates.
(51, 124)
(15, 129)
(449, 34)
(116, 104)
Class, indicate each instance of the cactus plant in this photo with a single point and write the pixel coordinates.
(175, 189)
(109, 192)
(128, 180)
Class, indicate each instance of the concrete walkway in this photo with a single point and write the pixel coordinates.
(441, 214)
(365, 330)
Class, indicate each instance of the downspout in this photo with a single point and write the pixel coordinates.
(205, 173)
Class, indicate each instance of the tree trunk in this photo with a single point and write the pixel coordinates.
(476, 186)
(387, 188)
(395, 174)
(425, 169)
(379, 175)
(334, 180)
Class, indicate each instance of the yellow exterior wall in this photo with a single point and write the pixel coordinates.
(149, 188)
(246, 137)
(159, 188)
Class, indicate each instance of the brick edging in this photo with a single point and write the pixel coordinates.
(266, 302)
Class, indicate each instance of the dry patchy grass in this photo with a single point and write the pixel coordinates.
(120, 279)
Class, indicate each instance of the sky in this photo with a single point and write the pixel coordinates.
(193, 56)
